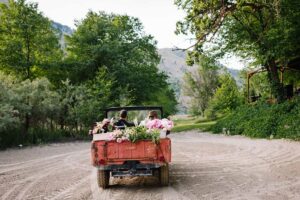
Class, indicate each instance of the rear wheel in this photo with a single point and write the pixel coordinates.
(164, 175)
(103, 178)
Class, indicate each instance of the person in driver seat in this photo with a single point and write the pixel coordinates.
(122, 122)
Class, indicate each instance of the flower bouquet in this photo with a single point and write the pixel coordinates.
(134, 134)
(150, 130)
(100, 127)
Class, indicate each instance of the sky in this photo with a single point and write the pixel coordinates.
(159, 18)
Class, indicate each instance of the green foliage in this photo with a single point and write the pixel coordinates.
(266, 31)
(84, 102)
(33, 112)
(164, 97)
(226, 97)
(263, 120)
(25, 105)
(44, 96)
(135, 134)
(291, 77)
(203, 126)
(187, 123)
(119, 43)
(28, 43)
(200, 84)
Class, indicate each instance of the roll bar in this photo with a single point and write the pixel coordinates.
(128, 108)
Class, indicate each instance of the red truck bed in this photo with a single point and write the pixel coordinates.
(112, 153)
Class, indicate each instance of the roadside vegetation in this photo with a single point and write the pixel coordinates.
(51, 91)
(265, 34)
(186, 123)
(263, 120)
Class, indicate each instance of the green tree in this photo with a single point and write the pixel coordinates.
(264, 30)
(28, 44)
(226, 97)
(26, 104)
(36, 102)
(118, 43)
(165, 97)
(200, 84)
(8, 113)
(88, 100)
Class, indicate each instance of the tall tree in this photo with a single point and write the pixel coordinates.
(28, 43)
(119, 44)
(264, 30)
(200, 84)
(226, 98)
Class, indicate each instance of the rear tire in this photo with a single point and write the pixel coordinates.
(164, 175)
(103, 178)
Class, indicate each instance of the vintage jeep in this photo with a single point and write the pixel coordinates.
(142, 158)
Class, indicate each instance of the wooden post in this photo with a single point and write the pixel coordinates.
(281, 74)
(248, 87)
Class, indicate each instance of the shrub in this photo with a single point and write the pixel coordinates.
(263, 120)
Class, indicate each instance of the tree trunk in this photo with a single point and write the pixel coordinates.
(26, 124)
(276, 86)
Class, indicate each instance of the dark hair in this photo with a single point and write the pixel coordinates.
(123, 113)
(153, 114)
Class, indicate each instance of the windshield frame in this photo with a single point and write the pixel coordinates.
(134, 108)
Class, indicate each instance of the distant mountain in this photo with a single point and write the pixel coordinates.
(235, 73)
(62, 28)
(62, 31)
(173, 63)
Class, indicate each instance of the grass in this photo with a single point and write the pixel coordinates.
(187, 123)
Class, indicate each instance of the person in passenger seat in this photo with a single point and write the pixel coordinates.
(122, 122)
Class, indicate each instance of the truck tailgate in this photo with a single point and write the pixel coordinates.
(111, 151)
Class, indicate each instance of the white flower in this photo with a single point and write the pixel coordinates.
(135, 121)
(119, 140)
(143, 123)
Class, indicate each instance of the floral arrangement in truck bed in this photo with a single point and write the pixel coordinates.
(134, 134)
(146, 130)
(164, 124)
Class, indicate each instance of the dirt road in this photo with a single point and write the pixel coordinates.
(204, 166)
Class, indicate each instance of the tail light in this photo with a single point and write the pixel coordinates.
(101, 162)
(162, 159)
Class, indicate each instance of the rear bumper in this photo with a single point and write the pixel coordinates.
(127, 166)
(131, 170)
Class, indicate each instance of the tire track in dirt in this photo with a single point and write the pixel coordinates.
(22, 184)
(204, 166)
(38, 170)
(32, 163)
(245, 163)
(65, 192)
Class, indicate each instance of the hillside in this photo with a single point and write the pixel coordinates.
(62, 31)
(174, 65)
(62, 28)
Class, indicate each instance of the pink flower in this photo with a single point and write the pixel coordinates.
(167, 124)
(105, 121)
(155, 123)
(118, 133)
(170, 124)
(111, 137)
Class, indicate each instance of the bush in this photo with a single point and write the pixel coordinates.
(263, 120)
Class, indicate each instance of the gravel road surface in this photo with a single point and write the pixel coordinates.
(204, 166)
